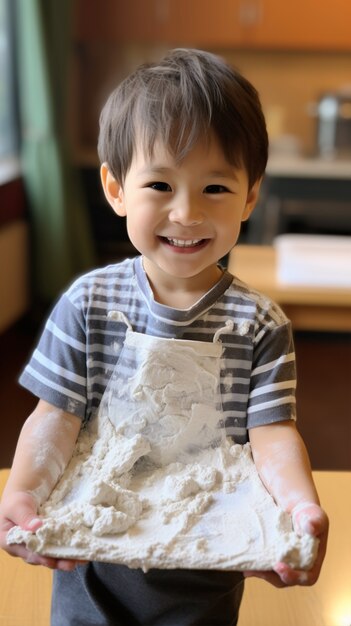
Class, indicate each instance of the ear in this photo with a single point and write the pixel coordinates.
(113, 190)
(251, 200)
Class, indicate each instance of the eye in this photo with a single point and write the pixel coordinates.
(216, 189)
(158, 186)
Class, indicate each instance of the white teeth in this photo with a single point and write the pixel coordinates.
(183, 243)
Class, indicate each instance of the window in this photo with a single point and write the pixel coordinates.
(8, 110)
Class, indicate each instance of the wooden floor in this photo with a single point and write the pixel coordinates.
(323, 394)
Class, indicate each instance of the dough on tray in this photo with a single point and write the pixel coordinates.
(212, 511)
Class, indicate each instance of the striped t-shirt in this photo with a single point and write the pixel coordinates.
(81, 344)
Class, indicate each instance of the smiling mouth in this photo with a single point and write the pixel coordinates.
(183, 243)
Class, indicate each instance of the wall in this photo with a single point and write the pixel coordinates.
(14, 279)
(287, 83)
(14, 249)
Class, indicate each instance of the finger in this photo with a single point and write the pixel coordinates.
(308, 518)
(33, 524)
(291, 577)
(33, 558)
(20, 550)
(69, 564)
(322, 547)
(23, 512)
(36, 559)
(66, 565)
(269, 576)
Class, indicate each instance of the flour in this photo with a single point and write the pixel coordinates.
(155, 483)
(173, 385)
(113, 504)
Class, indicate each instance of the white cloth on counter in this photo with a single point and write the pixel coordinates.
(313, 260)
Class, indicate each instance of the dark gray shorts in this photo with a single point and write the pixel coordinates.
(100, 594)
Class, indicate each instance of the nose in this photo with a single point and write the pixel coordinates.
(186, 211)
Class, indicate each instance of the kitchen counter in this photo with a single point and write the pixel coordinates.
(308, 307)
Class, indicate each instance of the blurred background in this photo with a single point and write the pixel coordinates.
(58, 62)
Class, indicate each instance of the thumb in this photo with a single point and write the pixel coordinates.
(27, 517)
(307, 518)
(33, 524)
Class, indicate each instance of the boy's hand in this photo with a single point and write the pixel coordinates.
(20, 509)
(307, 518)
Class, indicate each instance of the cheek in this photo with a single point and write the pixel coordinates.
(140, 228)
(230, 226)
(135, 230)
(228, 233)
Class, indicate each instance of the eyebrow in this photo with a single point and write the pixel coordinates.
(227, 173)
(157, 169)
(160, 169)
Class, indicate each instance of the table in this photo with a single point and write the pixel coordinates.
(328, 602)
(25, 589)
(309, 308)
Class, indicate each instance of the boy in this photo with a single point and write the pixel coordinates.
(183, 147)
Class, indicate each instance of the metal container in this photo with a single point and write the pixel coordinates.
(333, 127)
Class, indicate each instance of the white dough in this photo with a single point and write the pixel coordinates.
(113, 504)
(154, 482)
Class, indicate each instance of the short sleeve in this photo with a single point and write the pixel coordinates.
(273, 377)
(56, 371)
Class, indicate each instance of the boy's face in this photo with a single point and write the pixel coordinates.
(182, 217)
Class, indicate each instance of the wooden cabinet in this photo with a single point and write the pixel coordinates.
(183, 22)
(250, 24)
(298, 25)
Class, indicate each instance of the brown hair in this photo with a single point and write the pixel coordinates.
(182, 98)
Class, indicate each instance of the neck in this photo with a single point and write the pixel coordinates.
(183, 293)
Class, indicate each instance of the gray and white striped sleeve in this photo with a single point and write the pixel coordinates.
(56, 371)
(273, 378)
